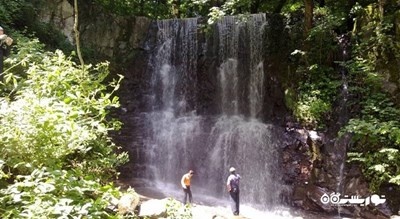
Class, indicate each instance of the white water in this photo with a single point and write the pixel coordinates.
(218, 205)
(343, 142)
(179, 139)
(256, 86)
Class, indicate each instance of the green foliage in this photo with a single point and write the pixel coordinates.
(323, 38)
(55, 152)
(376, 37)
(315, 96)
(212, 10)
(59, 194)
(51, 36)
(215, 14)
(376, 128)
(11, 12)
(374, 58)
(3, 175)
(26, 50)
(158, 9)
(22, 15)
(60, 111)
(318, 87)
(153, 9)
(292, 7)
(379, 166)
(176, 211)
(377, 137)
(235, 7)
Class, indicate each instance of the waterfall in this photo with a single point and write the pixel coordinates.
(256, 88)
(228, 32)
(173, 125)
(179, 138)
(229, 79)
(237, 140)
(250, 146)
(343, 111)
(342, 142)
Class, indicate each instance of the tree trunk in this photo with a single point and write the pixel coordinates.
(308, 17)
(382, 7)
(76, 29)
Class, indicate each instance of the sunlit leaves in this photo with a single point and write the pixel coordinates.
(395, 180)
(315, 94)
(215, 14)
(54, 139)
(176, 210)
(380, 168)
(59, 194)
(59, 109)
(376, 126)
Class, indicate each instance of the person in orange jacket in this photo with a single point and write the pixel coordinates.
(185, 182)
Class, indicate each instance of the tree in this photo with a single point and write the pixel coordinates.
(76, 29)
(308, 16)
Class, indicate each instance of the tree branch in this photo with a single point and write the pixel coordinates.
(76, 29)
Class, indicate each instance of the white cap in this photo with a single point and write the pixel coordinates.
(1, 28)
(232, 169)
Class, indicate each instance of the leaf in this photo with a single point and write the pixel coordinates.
(395, 180)
(379, 168)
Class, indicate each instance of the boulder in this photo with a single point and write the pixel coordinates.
(128, 203)
(154, 208)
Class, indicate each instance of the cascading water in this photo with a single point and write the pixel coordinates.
(256, 86)
(342, 142)
(235, 140)
(173, 126)
(228, 32)
(179, 138)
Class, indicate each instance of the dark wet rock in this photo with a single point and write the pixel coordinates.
(308, 197)
(313, 171)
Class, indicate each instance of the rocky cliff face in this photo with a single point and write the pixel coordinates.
(108, 36)
(61, 14)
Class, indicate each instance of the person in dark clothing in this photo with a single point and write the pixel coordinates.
(233, 188)
(5, 46)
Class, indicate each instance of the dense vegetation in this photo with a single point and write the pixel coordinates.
(358, 89)
(375, 123)
(57, 158)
